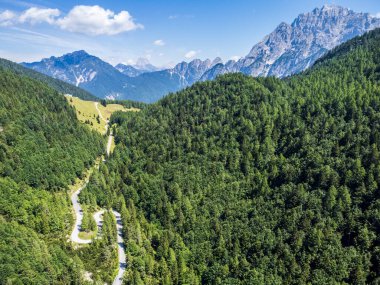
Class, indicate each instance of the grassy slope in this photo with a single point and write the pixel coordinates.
(111, 108)
(86, 111)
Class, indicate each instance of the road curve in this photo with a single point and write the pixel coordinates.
(78, 216)
(98, 216)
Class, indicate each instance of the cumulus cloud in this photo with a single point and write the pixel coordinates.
(377, 15)
(39, 15)
(95, 20)
(191, 54)
(159, 43)
(90, 20)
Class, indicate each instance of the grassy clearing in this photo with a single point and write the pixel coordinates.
(87, 235)
(111, 108)
(88, 114)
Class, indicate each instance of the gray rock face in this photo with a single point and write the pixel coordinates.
(191, 72)
(292, 48)
(128, 70)
(83, 70)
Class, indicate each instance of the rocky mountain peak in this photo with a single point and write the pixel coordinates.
(289, 49)
(216, 60)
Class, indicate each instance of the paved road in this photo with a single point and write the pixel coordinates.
(78, 217)
(98, 216)
(120, 249)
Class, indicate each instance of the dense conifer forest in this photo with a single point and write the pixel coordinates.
(41, 142)
(234, 181)
(254, 181)
(43, 149)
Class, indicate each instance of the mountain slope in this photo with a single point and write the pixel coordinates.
(247, 180)
(42, 143)
(139, 83)
(84, 70)
(56, 84)
(290, 49)
(128, 70)
(150, 87)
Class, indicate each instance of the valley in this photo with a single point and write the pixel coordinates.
(262, 169)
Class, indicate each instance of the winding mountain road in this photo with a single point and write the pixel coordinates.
(98, 216)
(78, 216)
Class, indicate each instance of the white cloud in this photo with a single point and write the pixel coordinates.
(191, 54)
(377, 15)
(95, 20)
(7, 18)
(39, 15)
(90, 20)
(159, 43)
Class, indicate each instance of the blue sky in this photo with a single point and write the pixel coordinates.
(164, 31)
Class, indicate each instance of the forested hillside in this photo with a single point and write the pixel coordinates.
(254, 181)
(43, 149)
(56, 84)
(42, 143)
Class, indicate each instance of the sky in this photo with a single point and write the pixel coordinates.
(163, 31)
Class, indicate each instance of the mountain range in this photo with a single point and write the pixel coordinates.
(289, 49)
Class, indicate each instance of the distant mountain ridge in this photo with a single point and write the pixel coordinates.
(82, 69)
(122, 81)
(59, 85)
(289, 49)
(142, 66)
